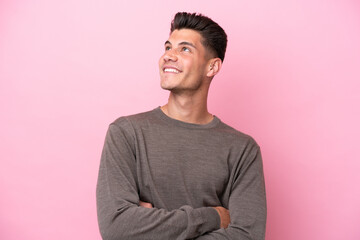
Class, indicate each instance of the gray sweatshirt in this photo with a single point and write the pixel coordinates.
(183, 170)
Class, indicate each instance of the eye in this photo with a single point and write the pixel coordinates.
(167, 48)
(185, 49)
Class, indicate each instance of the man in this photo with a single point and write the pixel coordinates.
(178, 172)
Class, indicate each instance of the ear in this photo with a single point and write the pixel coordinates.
(214, 67)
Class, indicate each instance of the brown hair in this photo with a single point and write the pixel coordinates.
(213, 36)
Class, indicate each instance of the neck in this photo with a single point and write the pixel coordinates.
(191, 108)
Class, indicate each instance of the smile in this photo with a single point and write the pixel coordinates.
(171, 70)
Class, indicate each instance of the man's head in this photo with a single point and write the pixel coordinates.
(193, 53)
(213, 36)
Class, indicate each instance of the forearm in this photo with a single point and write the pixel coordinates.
(229, 233)
(133, 222)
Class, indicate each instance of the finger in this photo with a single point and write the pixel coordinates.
(145, 204)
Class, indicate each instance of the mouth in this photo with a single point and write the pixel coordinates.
(168, 69)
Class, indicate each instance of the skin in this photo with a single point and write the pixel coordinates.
(194, 66)
(190, 86)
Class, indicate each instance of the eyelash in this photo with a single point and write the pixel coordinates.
(185, 49)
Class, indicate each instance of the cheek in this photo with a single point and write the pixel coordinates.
(160, 61)
(197, 67)
(189, 64)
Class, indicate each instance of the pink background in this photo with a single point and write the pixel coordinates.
(290, 79)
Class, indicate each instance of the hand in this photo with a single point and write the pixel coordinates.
(145, 204)
(224, 216)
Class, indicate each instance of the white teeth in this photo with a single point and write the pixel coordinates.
(171, 70)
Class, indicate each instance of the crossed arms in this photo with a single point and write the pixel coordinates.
(122, 214)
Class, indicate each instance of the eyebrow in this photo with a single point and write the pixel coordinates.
(182, 43)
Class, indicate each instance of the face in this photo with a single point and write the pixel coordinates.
(184, 63)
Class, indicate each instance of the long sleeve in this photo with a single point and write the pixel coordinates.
(247, 202)
(117, 194)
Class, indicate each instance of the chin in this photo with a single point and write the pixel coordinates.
(168, 88)
(166, 84)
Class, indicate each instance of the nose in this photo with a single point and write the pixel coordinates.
(170, 55)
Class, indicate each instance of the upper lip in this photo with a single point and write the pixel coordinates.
(171, 67)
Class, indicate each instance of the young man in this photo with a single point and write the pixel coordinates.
(178, 172)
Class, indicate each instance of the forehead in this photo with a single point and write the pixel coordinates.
(185, 35)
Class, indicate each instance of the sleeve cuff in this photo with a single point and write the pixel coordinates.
(201, 220)
(213, 217)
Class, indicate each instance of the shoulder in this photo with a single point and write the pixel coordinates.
(134, 120)
(235, 136)
(125, 127)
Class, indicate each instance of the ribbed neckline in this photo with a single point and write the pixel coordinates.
(179, 123)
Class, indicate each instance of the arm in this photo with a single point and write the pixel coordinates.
(247, 202)
(223, 213)
(119, 213)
